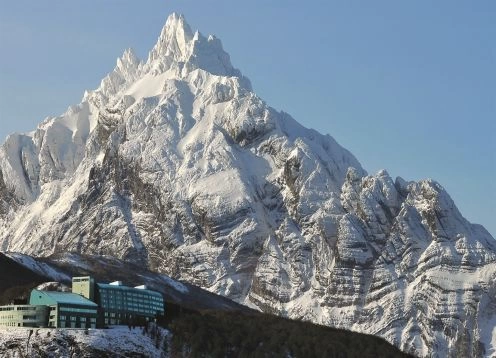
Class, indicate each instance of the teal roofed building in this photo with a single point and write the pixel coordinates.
(66, 310)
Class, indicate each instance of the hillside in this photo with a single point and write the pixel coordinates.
(212, 327)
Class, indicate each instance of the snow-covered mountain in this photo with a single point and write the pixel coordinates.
(174, 163)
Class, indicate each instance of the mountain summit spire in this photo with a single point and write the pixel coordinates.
(174, 39)
(178, 46)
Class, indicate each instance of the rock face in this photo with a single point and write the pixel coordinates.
(174, 163)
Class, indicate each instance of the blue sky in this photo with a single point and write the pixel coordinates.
(409, 86)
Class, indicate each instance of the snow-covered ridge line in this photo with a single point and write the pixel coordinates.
(39, 267)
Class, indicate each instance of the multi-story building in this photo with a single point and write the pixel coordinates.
(121, 304)
(66, 310)
(23, 316)
(89, 305)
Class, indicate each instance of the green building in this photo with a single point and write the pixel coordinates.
(89, 305)
(23, 316)
(66, 310)
(122, 304)
(119, 304)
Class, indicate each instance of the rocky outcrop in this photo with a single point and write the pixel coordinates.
(175, 164)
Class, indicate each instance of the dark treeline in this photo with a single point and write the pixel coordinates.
(236, 334)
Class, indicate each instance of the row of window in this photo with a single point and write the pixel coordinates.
(144, 295)
(80, 280)
(17, 317)
(28, 317)
(130, 304)
(130, 293)
(116, 321)
(15, 322)
(120, 315)
(120, 306)
(140, 311)
(134, 299)
(75, 325)
(8, 317)
(14, 308)
(149, 310)
(74, 318)
(81, 310)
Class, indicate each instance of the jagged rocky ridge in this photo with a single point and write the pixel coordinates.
(174, 163)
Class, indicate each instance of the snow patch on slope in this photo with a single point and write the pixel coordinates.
(115, 341)
(37, 266)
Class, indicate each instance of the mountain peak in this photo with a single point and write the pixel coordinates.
(128, 62)
(176, 19)
(174, 39)
(181, 48)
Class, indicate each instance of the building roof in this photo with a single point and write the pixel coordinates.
(64, 298)
(127, 288)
